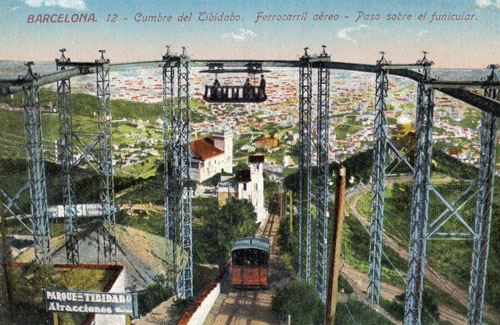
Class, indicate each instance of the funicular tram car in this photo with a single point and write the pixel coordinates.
(250, 262)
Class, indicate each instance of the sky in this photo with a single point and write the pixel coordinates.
(359, 32)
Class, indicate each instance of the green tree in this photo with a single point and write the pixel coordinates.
(271, 195)
(430, 309)
(287, 242)
(30, 308)
(240, 166)
(155, 293)
(7, 297)
(299, 300)
(235, 219)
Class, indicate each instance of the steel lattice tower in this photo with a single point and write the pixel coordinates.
(105, 162)
(177, 161)
(378, 185)
(186, 221)
(65, 159)
(305, 151)
(482, 215)
(36, 170)
(170, 184)
(322, 181)
(420, 201)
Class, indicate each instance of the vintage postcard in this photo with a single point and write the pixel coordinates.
(249, 162)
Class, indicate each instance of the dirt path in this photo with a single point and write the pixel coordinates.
(250, 307)
(432, 275)
(358, 281)
(142, 207)
(159, 315)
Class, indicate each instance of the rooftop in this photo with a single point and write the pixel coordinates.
(204, 148)
(243, 176)
(263, 139)
(259, 243)
(256, 159)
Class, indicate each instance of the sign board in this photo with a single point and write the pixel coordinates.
(82, 210)
(71, 301)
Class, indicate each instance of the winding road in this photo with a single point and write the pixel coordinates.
(432, 275)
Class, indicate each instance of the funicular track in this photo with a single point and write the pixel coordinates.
(236, 306)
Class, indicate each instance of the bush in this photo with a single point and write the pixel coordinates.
(357, 312)
(299, 300)
(397, 308)
(155, 293)
(179, 306)
(345, 285)
(29, 307)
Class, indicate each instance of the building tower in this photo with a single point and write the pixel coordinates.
(224, 141)
(256, 186)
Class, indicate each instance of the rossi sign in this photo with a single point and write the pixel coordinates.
(111, 303)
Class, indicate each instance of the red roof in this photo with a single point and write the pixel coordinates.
(266, 139)
(204, 148)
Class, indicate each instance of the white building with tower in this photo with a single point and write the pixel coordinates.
(250, 185)
(212, 155)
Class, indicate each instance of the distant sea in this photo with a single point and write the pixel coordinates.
(12, 69)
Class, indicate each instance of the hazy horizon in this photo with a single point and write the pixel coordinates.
(472, 43)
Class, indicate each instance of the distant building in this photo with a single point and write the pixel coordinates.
(211, 155)
(288, 161)
(267, 142)
(405, 134)
(225, 190)
(403, 125)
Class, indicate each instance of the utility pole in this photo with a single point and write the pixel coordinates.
(334, 267)
(282, 201)
(290, 215)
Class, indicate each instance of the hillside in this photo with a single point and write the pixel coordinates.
(142, 254)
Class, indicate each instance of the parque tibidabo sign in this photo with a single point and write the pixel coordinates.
(72, 301)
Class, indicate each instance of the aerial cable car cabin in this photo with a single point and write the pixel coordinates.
(250, 262)
(249, 92)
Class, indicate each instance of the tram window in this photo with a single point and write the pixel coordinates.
(238, 258)
(250, 257)
(256, 258)
(262, 258)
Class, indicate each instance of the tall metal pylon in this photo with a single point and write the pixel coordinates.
(483, 212)
(36, 170)
(378, 185)
(177, 161)
(171, 188)
(105, 160)
(186, 226)
(417, 259)
(322, 181)
(66, 162)
(305, 147)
